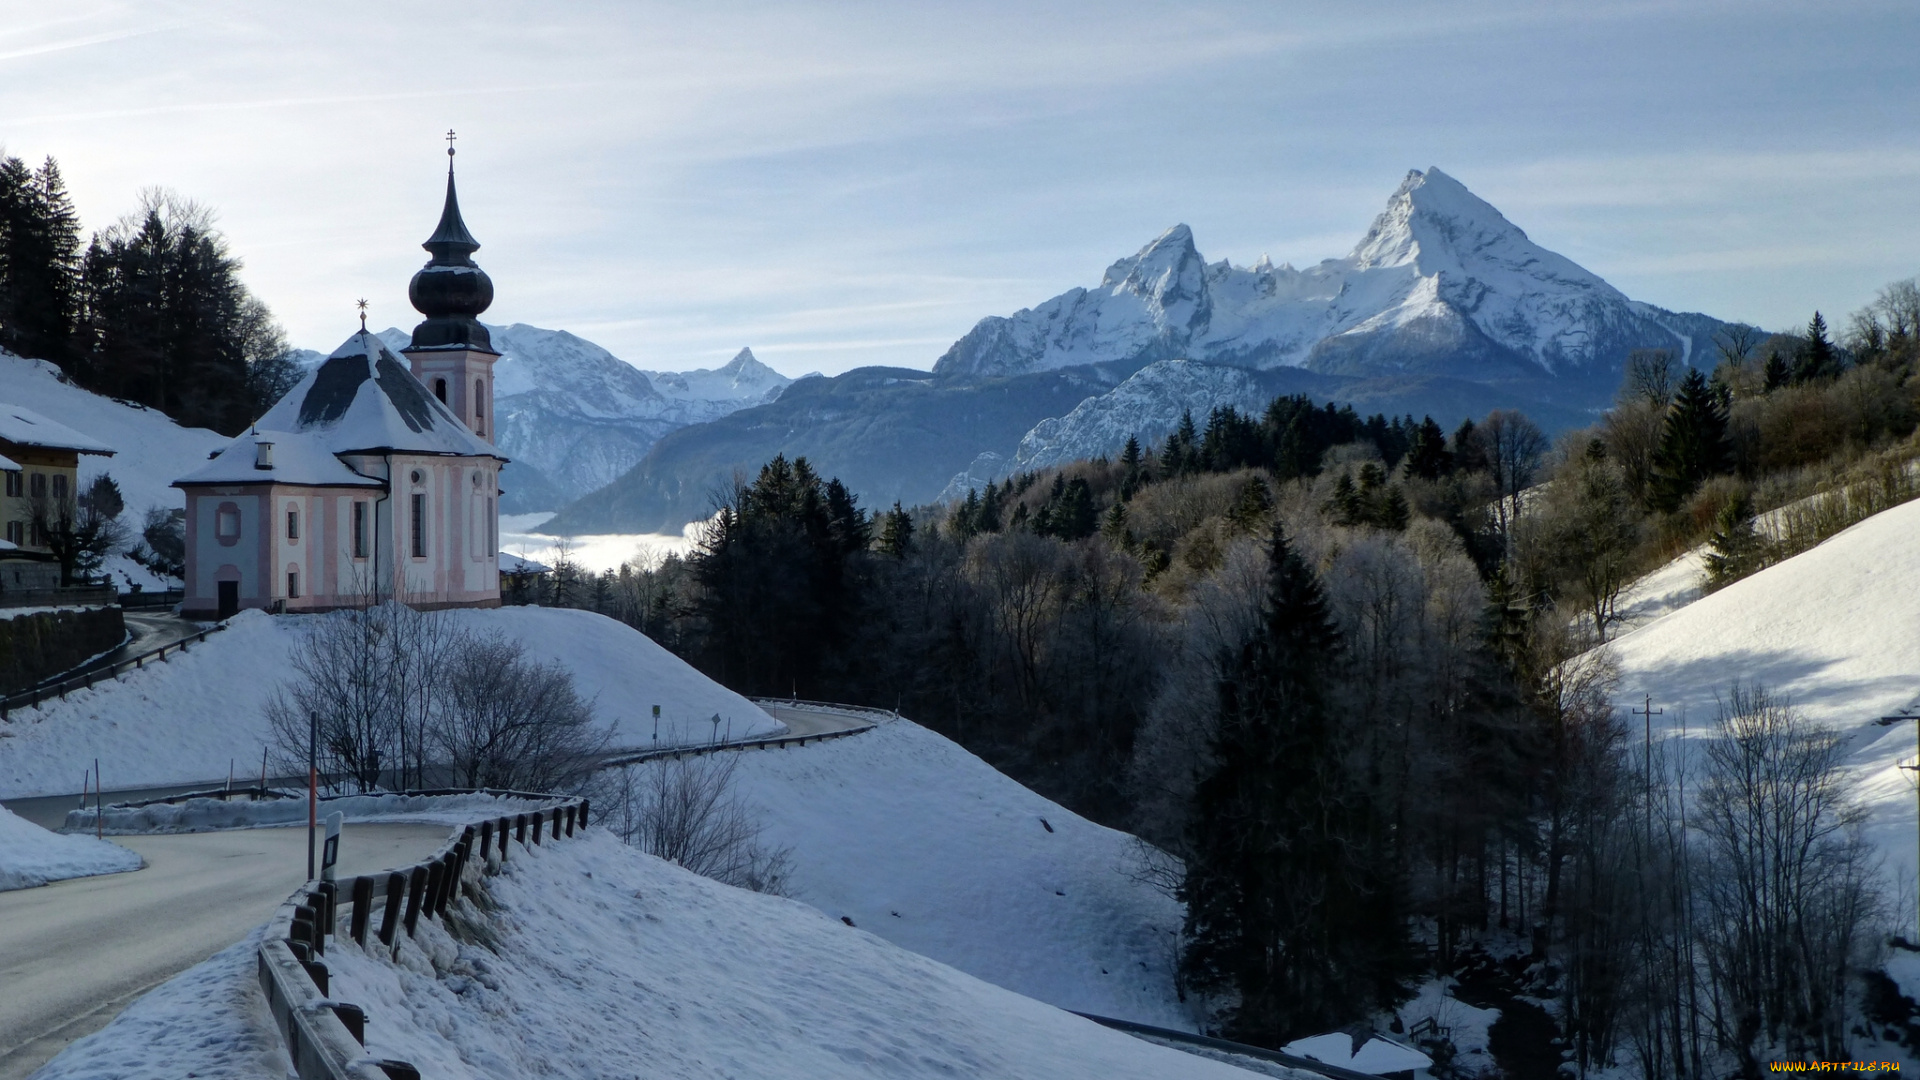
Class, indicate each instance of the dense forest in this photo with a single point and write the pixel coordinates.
(1341, 674)
(149, 310)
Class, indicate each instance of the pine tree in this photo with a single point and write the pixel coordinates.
(1775, 373)
(1289, 900)
(1181, 454)
(1133, 472)
(1693, 444)
(1427, 456)
(988, 519)
(1735, 548)
(1253, 507)
(896, 533)
(1113, 526)
(39, 263)
(1817, 359)
(965, 521)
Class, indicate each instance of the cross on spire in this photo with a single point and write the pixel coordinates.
(450, 138)
(363, 315)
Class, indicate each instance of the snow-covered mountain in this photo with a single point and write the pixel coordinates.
(1442, 284)
(573, 417)
(1443, 307)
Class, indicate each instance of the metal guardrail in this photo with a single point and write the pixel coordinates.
(32, 698)
(763, 742)
(325, 1038)
(1292, 1061)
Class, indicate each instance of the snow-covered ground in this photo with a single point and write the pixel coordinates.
(924, 844)
(30, 856)
(1835, 628)
(150, 450)
(184, 720)
(519, 535)
(606, 962)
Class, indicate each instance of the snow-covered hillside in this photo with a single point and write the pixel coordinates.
(1442, 284)
(182, 721)
(924, 844)
(602, 961)
(150, 450)
(1836, 629)
(573, 416)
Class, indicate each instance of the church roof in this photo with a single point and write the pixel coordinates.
(298, 459)
(362, 399)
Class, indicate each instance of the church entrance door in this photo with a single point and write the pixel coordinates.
(229, 599)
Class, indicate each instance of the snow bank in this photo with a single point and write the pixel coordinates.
(30, 856)
(602, 961)
(206, 815)
(183, 721)
(209, 1021)
(920, 842)
(150, 450)
(1836, 629)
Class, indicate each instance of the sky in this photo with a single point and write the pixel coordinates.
(836, 185)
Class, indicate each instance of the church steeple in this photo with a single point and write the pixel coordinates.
(451, 291)
(451, 244)
(451, 353)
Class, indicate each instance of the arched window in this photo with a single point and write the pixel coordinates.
(440, 390)
(479, 407)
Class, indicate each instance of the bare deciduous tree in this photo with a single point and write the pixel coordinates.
(1792, 889)
(508, 721)
(685, 810)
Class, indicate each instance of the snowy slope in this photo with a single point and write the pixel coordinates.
(604, 962)
(1837, 629)
(922, 843)
(30, 856)
(183, 720)
(1442, 284)
(696, 979)
(150, 450)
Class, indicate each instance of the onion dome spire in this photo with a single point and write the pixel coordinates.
(451, 291)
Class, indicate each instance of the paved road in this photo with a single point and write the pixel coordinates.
(146, 631)
(812, 721)
(74, 953)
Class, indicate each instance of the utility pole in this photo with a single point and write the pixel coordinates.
(313, 784)
(1889, 721)
(1648, 712)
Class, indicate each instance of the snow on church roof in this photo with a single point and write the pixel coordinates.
(298, 459)
(362, 399)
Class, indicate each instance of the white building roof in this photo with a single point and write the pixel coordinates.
(8, 464)
(362, 399)
(24, 427)
(299, 459)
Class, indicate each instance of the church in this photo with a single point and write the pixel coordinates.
(373, 478)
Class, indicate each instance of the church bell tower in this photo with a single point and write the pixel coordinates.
(451, 353)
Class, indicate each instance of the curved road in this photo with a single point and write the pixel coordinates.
(146, 631)
(74, 953)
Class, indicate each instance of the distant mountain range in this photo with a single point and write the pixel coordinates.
(1443, 307)
(573, 417)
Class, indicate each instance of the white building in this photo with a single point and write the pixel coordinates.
(363, 484)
